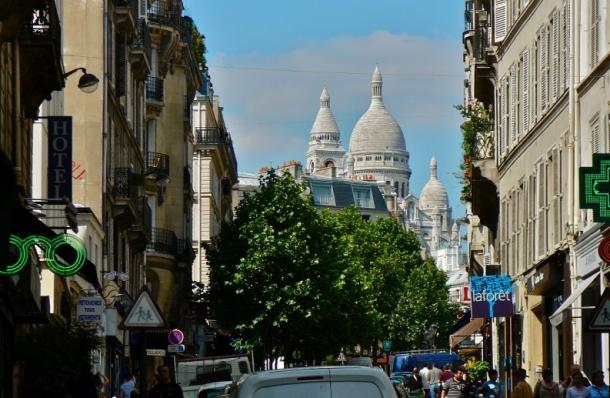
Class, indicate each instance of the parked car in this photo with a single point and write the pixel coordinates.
(194, 373)
(316, 382)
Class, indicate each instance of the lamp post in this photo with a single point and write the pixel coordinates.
(87, 83)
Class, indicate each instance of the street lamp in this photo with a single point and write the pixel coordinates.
(87, 83)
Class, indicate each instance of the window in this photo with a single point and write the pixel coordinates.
(377, 157)
(363, 197)
(368, 158)
(319, 389)
(595, 138)
(542, 61)
(525, 59)
(566, 44)
(555, 54)
(355, 389)
(322, 194)
(396, 158)
(594, 32)
(387, 158)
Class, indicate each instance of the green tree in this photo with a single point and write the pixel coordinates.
(271, 278)
(423, 303)
(199, 47)
(53, 355)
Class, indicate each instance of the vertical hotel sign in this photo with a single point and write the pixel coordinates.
(491, 296)
(59, 180)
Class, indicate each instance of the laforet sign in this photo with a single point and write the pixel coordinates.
(491, 296)
(59, 178)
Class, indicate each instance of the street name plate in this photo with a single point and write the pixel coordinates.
(175, 348)
(155, 353)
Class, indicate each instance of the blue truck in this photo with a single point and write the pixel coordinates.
(404, 362)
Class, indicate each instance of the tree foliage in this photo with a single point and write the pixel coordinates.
(286, 278)
(53, 355)
(199, 47)
(424, 302)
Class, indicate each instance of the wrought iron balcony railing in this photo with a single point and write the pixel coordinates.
(484, 145)
(124, 185)
(186, 29)
(163, 241)
(142, 40)
(211, 135)
(185, 253)
(154, 88)
(163, 12)
(157, 164)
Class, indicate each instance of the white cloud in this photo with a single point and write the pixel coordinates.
(270, 112)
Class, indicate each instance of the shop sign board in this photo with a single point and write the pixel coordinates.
(59, 173)
(595, 187)
(491, 296)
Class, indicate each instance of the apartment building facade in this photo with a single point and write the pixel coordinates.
(541, 66)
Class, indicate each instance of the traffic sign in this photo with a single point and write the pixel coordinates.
(144, 314)
(600, 322)
(595, 187)
(175, 348)
(175, 336)
(387, 345)
(604, 249)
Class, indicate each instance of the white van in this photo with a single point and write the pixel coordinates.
(193, 373)
(316, 382)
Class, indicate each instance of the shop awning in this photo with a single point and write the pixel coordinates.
(468, 330)
(557, 316)
(25, 223)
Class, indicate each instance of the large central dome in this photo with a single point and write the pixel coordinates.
(377, 130)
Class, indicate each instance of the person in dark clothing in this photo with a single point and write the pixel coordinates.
(85, 385)
(166, 388)
(414, 382)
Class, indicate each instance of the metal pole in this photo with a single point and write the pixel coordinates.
(143, 383)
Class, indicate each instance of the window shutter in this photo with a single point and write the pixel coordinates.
(541, 210)
(499, 119)
(595, 145)
(542, 62)
(594, 32)
(525, 84)
(121, 67)
(566, 45)
(556, 196)
(500, 20)
(555, 58)
(513, 105)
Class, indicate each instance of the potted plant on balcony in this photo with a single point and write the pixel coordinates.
(477, 122)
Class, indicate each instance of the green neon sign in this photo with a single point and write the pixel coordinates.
(50, 247)
(595, 187)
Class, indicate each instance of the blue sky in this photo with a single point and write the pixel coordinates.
(269, 60)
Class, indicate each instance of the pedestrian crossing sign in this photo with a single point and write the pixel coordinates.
(144, 314)
(601, 319)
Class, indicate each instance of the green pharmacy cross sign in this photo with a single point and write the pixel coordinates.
(50, 247)
(595, 187)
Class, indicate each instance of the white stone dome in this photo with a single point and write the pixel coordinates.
(377, 130)
(434, 195)
(325, 120)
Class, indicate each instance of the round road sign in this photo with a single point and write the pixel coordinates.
(175, 336)
(604, 249)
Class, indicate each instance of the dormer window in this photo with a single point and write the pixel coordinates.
(322, 194)
(363, 197)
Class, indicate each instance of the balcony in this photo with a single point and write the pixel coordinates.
(186, 30)
(125, 195)
(126, 14)
(141, 51)
(40, 56)
(164, 13)
(163, 241)
(188, 185)
(485, 202)
(154, 89)
(157, 165)
(140, 232)
(211, 136)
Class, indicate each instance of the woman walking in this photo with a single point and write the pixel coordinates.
(547, 387)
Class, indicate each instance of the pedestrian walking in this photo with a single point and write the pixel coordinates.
(434, 380)
(423, 373)
(447, 373)
(414, 382)
(521, 389)
(456, 386)
(165, 388)
(129, 384)
(491, 388)
(598, 388)
(578, 388)
(568, 382)
(547, 387)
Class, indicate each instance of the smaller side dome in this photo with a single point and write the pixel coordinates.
(434, 195)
